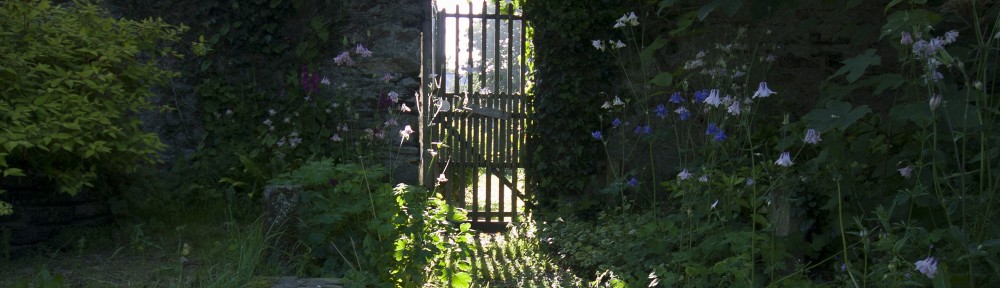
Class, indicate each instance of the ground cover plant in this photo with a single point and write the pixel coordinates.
(712, 180)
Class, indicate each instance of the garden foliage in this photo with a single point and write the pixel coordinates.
(355, 224)
(73, 81)
(720, 174)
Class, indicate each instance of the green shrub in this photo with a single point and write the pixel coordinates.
(357, 226)
(73, 82)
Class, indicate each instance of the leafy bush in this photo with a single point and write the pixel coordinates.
(355, 225)
(74, 80)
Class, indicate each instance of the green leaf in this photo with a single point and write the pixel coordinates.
(855, 67)
(664, 79)
(837, 114)
(731, 6)
(647, 53)
(461, 279)
(13, 172)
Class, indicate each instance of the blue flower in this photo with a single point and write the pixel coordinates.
(676, 98)
(927, 266)
(700, 95)
(717, 134)
(633, 182)
(597, 135)
(785, 160)
(660, 111)
(615, 123)
(642, 130)
(683, 113)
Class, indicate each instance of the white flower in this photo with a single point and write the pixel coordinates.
(598, 44)
(812, 137)
(287, 120)
(632, 19)
(763, 91)
(703, 178)
(713, 98)
(785, 160)
(607, 105)
(229, 112)
(618, 101)
(619, 44)
(271, 112)
(935, 102)
(927, 266)
(336, 138)
(405, 133)
(268, 122)
(325, 81)
(716, 203)
(404, 108)
(442, 179)
(906, 172)
(734, 108)
(684, 175)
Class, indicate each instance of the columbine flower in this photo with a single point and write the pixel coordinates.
(618, 102)
(906, 172)
(633, 182)
(676, 98)
(267, 122)
(287, 120)
(404, 108)
(927, 267)
(393, 96)
(325, 81)
(598, 44)
(734, 108)
(684, 175)
(344, 59)
(812, 137)
(405, 133)
(597, 135)
(950, 36)
(632, 19)
(336, 138)
(271, 112)
(713, 98)
(615, 123)
(763, 91)
(703, 178)
(442, 179)
(716, 132)
(660, 111)
(362, 51)
(935, 101)
(642, 130)
(683, 113)
(619, 24)
(619, 44)
(607, 105)
(700, 95)
(906, 38)
(785, 160)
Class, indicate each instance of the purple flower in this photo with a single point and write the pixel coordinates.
(812, 137)
(344, 59)
(717, 134)
(906, 38)
(676, 98)
(615, 123)
(633, 182)
(684, 175)
(713, 98)
(734, 108)
(597, 135)
(362, 51)
(660, 111)
(906, 172)
(683, 113)
(950, 36)
(927, 266)
(785, 160)
(763, 91)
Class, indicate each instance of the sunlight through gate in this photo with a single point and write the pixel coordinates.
(480, 63)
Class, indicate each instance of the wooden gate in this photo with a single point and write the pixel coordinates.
(479, 102)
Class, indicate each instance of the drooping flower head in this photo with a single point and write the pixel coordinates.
(619, 44)
(812, 137)
(683, 113)
(597, 135)
(676, 98)
(906, 172)
(598, 44)
(615, 123)
(906, 38)
(928, 266)
(660, 111)
(785, 160)
(700, 95)
(713, 98)
(344, 59)
(405, 133)
(618, 101)
(734, 108)
(684, 175)
(642, 130)
(763, 91)
(633, 182)
(703, 178)
(718, 135)
(935, 101)
(362, 51)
